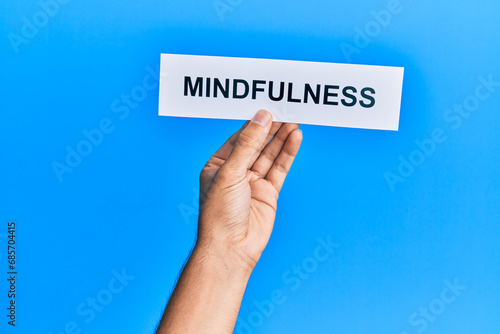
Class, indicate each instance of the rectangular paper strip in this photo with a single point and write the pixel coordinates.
(346, 95)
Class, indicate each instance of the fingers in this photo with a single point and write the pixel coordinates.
(224, 151)
(272, 150)
(274, 128)
(250, 140)
(278, 171)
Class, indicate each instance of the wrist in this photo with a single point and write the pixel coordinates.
(223, 260)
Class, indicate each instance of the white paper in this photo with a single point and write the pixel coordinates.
(367, 96)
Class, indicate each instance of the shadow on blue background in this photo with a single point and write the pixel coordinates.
(128, 208)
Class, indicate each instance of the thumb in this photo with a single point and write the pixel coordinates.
(251, 139)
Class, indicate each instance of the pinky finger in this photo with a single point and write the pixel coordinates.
(279, 170)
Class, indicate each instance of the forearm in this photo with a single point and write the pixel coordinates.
(208, 295)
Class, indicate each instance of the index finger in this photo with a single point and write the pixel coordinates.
(224, 151)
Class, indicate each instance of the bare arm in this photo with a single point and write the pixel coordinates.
(242, 181)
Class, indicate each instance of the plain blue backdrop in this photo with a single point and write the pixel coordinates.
(129, 205)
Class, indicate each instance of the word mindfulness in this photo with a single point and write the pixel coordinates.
(333, 95)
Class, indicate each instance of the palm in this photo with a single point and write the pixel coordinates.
(262, 213)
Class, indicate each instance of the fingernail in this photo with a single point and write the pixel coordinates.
(263, 118)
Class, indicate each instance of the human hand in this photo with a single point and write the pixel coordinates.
(239, 188)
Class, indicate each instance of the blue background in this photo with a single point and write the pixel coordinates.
(130, 202)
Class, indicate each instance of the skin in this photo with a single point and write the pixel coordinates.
(239, 189)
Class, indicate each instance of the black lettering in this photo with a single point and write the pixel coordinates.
(224, 90)
(290, 92)
(328, 94)
(208, 87)
(235, 89)
(310, 92)
(282, 91)
(369, 97)
(349, 96)
(189, 84)
(255, 89)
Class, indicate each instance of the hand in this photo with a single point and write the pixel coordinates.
(239, 188)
